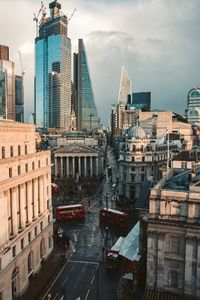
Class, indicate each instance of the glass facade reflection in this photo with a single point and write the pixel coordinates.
(19, 99)
(85, 107)
(53, 72)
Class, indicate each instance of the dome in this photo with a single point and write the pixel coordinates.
(136, 132)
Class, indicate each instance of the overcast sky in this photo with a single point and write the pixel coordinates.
(157, 41)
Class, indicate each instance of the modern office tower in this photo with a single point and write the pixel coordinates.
(25, 207)
(7, 85)
(53, 71)
(142, 101)
(19, 98)
(85, 107)
(125, 88)
(193, 106)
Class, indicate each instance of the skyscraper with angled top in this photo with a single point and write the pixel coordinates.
(125, 88)
(85, 107)
(53, 70)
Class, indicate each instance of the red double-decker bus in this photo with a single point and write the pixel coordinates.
(113, 217)
(70, 212)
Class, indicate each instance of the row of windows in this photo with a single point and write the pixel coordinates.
(27, 167)
(19, 151)
(31, 236)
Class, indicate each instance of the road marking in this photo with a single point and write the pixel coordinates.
(65, 280)
(92, 280)
(87, 294)
(84, 262)
(55, 297)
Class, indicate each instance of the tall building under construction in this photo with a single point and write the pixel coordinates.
(53, 70)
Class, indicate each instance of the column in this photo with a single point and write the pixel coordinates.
(55, 167)
(61, 167)
(35, 200)
(91, 170)
(79, 166)
(67, 166)
(29, 201)
(97, 170)
(14, 211)
(188, 265)
(73, 166)
(85, 166)
(41, 197)
(22, 206)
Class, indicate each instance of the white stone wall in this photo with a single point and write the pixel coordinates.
(25, 205)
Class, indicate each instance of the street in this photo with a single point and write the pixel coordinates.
(85, 276)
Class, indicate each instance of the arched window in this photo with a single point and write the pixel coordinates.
(30, 262)
(15, 282)
(42, 248)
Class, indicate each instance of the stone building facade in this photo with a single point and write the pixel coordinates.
(140, 159)
(173, 236)
(76, 159)
(25, 207)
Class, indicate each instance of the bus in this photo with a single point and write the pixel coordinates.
(113, 217)
(70, 212)
(113, 257)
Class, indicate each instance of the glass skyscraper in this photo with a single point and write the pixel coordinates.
(19, 98)
(85, 108)
(125, 87)
(142, 101)
(53, 71)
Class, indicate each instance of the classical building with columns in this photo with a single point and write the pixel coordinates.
(141, 159)
(76, 159)
(173, 237)
(25, 207)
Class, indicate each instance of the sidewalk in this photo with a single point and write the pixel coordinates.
(49, 269)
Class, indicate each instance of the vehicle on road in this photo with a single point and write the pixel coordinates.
(113, 258)
(114, 217)
(70, 212)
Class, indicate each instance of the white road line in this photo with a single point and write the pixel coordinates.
(65, 280)
(87, 294)
(92, 280)
(55, 296)
(84, 262)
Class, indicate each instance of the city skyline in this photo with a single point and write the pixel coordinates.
(156, 41)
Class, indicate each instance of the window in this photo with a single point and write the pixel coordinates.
(25, 149)
(47, 204)
(22, 244)
(33, 165)
(47, 162)
(11, 151)
(133, 158)
(41, 225)
(173, 279)
(10, 172)
(35, 230)
(174, 244)
(47, 191)
(29, 237)
(38, 163)
(143, 158)
(14, 251)
(19, 170)
(19, 150)
(3, 152)
(142, 178)
(50, 242)
(26, 167)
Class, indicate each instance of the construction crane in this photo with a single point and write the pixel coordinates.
(36, 18)
(71, 15)
(20, 58)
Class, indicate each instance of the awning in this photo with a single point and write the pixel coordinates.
(130, 246)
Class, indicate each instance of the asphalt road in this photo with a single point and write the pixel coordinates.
(85, 276)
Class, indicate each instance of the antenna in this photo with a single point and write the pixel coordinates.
(20, 58)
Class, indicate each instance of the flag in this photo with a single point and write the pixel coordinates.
(55, 186)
